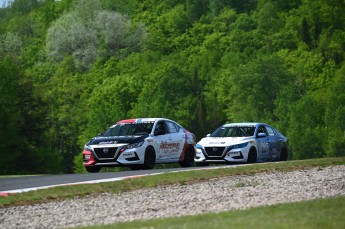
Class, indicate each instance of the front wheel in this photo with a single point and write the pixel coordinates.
(150, 158)
(93, 169)
(252, 156)
(283, 155)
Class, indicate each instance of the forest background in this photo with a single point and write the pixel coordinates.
(69, 69)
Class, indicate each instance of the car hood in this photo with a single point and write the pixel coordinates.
(226, 141)
(116, 140)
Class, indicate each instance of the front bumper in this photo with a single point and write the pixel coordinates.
(113, 157)
(235, 155)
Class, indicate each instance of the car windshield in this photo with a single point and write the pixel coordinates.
(129, 129)
(234, 131)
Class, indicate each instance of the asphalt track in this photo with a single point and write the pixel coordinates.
(29, 183)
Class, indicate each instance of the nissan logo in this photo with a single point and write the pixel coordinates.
(214, 149)
(105, 150)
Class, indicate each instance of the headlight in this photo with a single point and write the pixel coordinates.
(88, 148)
(135, 145)
(198, 146)
(131, 146)
(238, 146)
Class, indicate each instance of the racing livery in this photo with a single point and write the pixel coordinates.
(242, 142)
(140, 144)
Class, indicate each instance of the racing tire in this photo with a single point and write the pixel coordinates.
(150, 158)
(283, 155)
(252, 156)
(188, 160)
(93, 169)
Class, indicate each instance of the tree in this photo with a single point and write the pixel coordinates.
(252, 88)
(166, 89)
(306, 130)
(10, 116)
(334, 116)
(87, 36)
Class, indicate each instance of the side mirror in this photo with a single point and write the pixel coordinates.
(262, 135)
(100, 134)
(208, 135)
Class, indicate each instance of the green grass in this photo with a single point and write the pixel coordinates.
(63, 192)
(321, 213)
(13, 176)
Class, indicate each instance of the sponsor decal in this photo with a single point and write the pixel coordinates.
(169, 147)
(149, 140)
(133, 121)
(216, 143)
(107, 142)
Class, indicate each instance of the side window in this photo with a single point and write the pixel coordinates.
(161, 128)
(172, 127)
(270, 131)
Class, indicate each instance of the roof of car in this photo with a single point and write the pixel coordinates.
(139, 120)
(244, 124)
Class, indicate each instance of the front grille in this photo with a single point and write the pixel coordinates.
(214, 151)
(106, 152)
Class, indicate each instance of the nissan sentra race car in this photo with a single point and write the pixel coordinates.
(140, 144)
(242, 142)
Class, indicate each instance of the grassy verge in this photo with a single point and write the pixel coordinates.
(63, 192)
(321, 213)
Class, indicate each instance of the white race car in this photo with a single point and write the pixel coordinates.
(242, 142)
(140, 144)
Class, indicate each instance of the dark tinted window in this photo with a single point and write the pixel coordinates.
(161, 127)
(234, 131)
(128, 129)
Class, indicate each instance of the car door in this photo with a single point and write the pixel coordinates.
(161, 141)
(263, 153)
(273, 143)
(176, 141)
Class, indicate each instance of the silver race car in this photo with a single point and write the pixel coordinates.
(242, 142)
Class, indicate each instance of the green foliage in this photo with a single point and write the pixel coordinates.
(334, 116)
(9, 115)
(71, 68)
(252, 88)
